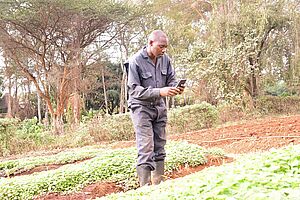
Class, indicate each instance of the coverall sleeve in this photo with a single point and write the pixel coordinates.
(135, 88)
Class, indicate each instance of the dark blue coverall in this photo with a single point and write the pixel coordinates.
(148, 108)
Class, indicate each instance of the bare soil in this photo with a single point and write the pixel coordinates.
(254, 135)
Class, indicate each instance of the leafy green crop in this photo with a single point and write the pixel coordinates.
(268, 176)
(111, 165)
(14, 167)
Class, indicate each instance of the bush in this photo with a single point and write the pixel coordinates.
(230, 112)
(278, 105)
(193, 117)
(111, 127)
(7, 130)
(280, 89)
(119, 127)
(31, 129)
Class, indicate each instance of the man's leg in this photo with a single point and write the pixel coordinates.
(142, 121)
(159, 129)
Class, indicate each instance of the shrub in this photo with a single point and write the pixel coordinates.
(193, 117)
(30, 129)
(7, 128)
(230, 112)
(280, 89)
(188, 118)
(278, 105)
(111, 127)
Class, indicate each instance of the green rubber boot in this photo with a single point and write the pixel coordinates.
(158, 173)
(144, 175)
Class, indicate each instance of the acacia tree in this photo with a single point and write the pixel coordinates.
(231, 56)
(52, 42)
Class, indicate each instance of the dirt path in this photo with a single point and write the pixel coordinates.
(243, 137)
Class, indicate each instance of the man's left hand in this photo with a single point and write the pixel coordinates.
(181, 89)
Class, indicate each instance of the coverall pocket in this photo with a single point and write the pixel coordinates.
(133, 107)
(164, 72)
(147, 79)
(146, 75)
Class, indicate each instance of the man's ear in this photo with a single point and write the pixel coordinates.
(151, 42)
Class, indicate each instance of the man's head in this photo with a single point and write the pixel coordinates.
(157, 43)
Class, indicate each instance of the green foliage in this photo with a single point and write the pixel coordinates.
(31, 132)
(230, 112)
(185, 152)
(95, 99)
(7, 129)
(193, 117)
(279, 89)
(18, 136)
(14, 167)
(268, 176)
(242, 40)
(89, 115)
(182, 119)
(278, 105)
(111, 127)
(111, 165)
(30, 128)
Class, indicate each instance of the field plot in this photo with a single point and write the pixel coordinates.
(112, 165)
(91, 173)
(272, 175)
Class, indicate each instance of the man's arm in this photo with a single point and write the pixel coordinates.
(134, 85)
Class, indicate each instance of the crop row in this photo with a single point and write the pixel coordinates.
(111, 165)
(17, 166)
(268, 176)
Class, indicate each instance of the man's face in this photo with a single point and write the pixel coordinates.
(159, 47)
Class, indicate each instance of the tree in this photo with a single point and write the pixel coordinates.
(95, 98)
(234, 53)
(52, 42)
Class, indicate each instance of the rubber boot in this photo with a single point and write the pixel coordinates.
(158, 173)
(144, 175)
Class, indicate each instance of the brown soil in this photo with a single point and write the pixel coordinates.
(92, 191)
(248, 136)
(38, 169)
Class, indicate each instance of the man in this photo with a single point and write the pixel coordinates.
(151, 78)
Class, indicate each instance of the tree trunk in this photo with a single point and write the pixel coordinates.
(75, 105)
(9, 100)
(46, 119)
(58, 124)
(39, 108)
(15, 107)
(74, 99)
(77, 70)
(104, 90)
(123, 94)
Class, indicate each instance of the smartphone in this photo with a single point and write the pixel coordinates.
(181, 83)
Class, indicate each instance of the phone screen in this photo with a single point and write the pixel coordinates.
(181, 83)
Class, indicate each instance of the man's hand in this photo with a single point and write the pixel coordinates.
(169, 91)
(181, 90)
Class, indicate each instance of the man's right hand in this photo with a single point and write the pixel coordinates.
(169, 91)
